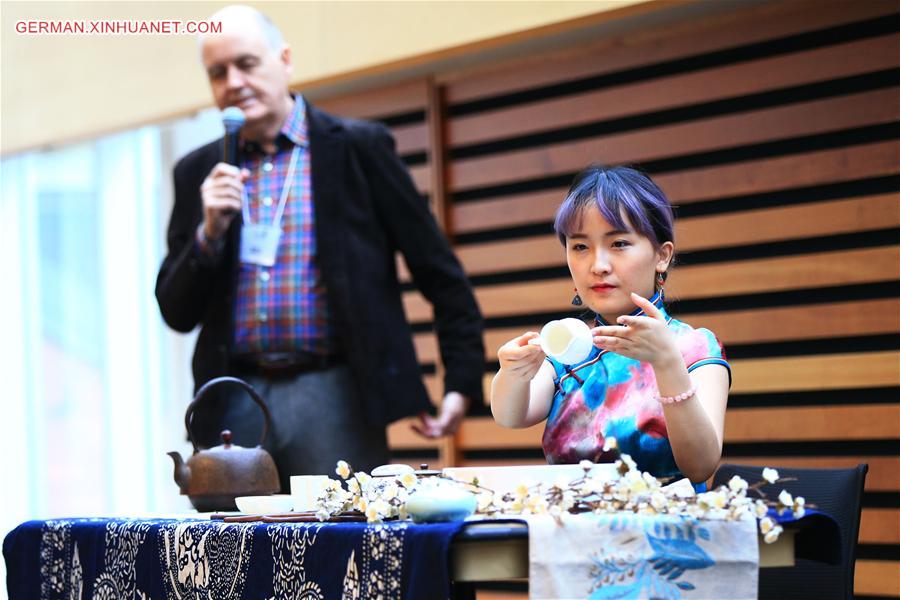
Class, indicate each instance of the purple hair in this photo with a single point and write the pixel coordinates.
(624, 196)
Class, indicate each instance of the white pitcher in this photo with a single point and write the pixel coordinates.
(567, 340)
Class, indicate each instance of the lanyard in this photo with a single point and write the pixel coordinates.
(285, 190)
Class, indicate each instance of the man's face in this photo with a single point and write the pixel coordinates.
(245, 72)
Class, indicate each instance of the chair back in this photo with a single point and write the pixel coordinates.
(836, 492)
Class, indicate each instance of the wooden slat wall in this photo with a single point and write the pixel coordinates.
(403, 108)
(774, 130)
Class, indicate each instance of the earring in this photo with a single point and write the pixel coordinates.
(576, 301)
(660, 280)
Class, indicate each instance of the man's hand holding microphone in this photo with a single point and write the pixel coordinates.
(221, 192)
(222, 189)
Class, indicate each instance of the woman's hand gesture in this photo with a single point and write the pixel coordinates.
(645, 338)
(521, 357)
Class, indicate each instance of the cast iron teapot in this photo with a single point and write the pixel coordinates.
(213, 477)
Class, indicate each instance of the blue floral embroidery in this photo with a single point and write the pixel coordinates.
(675, 550)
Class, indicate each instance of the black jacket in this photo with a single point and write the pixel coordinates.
(366, 209)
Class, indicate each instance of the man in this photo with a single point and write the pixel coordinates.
(317, 324)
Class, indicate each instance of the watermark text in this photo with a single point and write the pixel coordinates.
(116, 27)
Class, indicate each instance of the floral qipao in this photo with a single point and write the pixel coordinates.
(616, 397)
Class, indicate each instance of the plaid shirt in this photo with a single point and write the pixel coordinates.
(283, 308)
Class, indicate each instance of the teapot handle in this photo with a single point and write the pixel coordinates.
(188, 416)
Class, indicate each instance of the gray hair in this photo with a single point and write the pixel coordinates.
(271, 33)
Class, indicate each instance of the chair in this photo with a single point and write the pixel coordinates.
(837, 492)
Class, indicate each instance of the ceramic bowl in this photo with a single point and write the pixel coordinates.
(265, 505)
(439, 504)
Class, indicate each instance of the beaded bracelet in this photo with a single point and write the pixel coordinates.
(679, 398)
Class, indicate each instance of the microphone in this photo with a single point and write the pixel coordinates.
(233, 119)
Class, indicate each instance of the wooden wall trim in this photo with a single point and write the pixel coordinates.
(435, 120)
(402, 97)
(845, 267)
(411, 138)
(731, 81)
(783, 273)
(877, 159)
(702, 233)
(814, 423)
(402, 437)
(851, 163)
(421, 176)
(844, 319)
(652, 45)
(858, 370)
(883, 476)
(823, 372)
(707, 135)
(880, 526)
(508, 211)
(741, 425)
(877, 578)
(850, 215)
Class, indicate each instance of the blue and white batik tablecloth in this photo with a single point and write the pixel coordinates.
(175, 558)
(631, 556)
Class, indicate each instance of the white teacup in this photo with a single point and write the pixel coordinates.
(567, 340)
(305, 489)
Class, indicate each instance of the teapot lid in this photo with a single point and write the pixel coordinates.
(231, 449)
(226, 438)
(393, 470)
(398, 470)
(424, 471)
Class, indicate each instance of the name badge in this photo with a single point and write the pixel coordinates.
(259, 244)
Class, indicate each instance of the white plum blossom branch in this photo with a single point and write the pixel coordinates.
(629, 490)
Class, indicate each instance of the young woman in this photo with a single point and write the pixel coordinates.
(655, 384)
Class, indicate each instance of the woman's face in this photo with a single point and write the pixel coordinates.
(608, 264)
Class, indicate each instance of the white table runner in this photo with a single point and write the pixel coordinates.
(634, 556)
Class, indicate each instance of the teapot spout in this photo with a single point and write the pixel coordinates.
(182, 472)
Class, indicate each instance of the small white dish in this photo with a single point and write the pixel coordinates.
(264, 505)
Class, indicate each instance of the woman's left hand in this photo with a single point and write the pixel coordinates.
(645, 338)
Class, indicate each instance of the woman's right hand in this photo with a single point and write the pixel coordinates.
(520, 357)
(522, 390)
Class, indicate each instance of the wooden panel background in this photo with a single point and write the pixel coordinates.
(774, 130)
